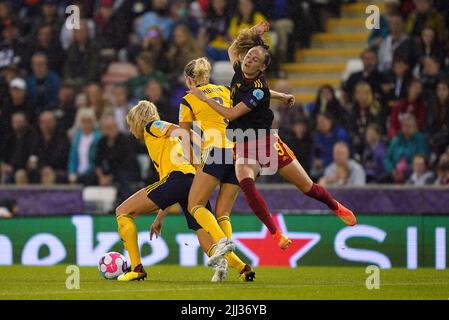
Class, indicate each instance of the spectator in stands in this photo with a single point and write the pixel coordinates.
(96, 100)
(245, 17)
(403, 147)
(183, 49)
(48, 16)
(14, 101)
(369, 74)
(115, 161)
(120, 107)
(413, 104)
(81, 165)
(146, 63)
(155, 93)
(154, 44)
(12, 47)
(442, 173)
(378, 35)
(429, 46)
(343, 171)
(47, 42)
(373, 153)
(326, 136)
(281, 15)
(5, 13)
(421, 175)
(42, 84)
(159, 15)
(396, 82)
(111, 27)
(298, 137)
(365, 111)
(437, 122)
(48, 162)
(17, 150)
(66, 112)
(430, 75)
(288, 115)
(425, 15)
(327, 102)
(216, 26)
(397, 43)
(82, 62)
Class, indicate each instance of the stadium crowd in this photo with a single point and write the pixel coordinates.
(62, 109)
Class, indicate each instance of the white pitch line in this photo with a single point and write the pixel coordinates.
(217, 288)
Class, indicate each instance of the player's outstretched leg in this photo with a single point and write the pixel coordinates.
(246, 173)
(131, 208)
(197, 208)
(296, 174)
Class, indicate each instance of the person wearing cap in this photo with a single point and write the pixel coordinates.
(16, 101)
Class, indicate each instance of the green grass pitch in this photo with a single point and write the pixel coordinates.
(173, 282)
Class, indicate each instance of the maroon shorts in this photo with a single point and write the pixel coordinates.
(267, 151)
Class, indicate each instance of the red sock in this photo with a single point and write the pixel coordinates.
(319, 193)
(257, 203)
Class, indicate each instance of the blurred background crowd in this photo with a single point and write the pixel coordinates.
(64, 93)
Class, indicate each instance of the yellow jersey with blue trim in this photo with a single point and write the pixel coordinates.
(211, 123)
(165, 151)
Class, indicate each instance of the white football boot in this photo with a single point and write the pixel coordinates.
(224, 246)
(221, 271)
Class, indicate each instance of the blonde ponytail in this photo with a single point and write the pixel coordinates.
(199, 70)
(139, 115)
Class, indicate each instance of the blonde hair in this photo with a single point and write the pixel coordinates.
(198, 70)
(85, 113)
(139, 115)
(373, 104)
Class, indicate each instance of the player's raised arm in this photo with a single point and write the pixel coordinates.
(246, 40)
(288, 99)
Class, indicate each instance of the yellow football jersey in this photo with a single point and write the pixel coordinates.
(165, 152)
(212, 124)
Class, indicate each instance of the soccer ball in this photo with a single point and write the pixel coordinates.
(111, 265)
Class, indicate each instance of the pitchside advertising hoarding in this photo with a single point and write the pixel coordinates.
(387, 241)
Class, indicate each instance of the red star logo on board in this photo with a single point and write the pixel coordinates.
(263, 250)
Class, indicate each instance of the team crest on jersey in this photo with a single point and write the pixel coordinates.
(160, 125)
(258, 94)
